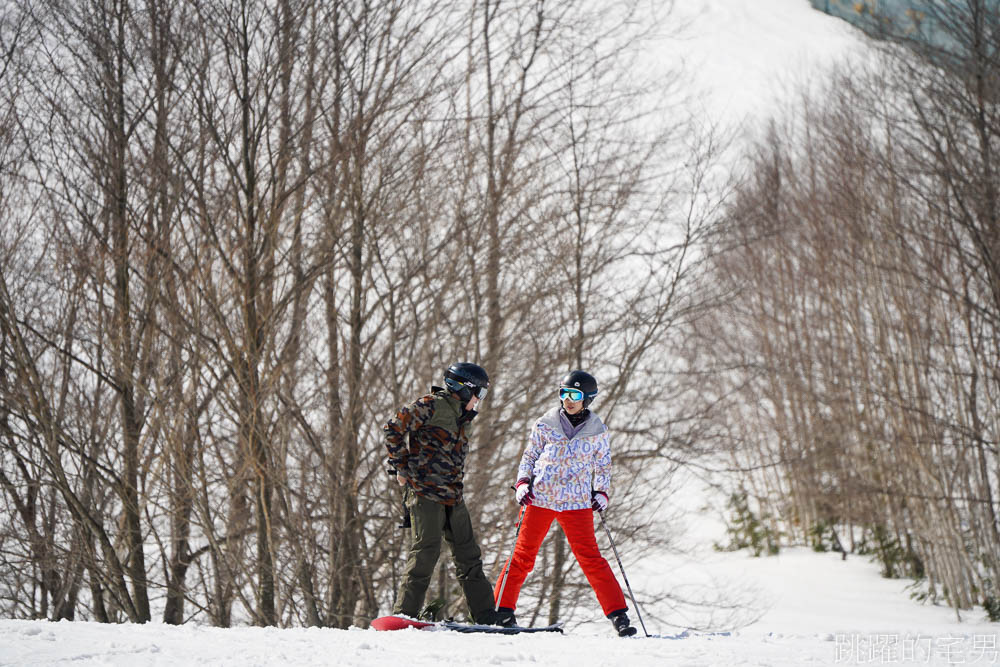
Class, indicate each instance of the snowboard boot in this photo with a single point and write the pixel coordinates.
(620, 620)
(505, 618)
(431, 611)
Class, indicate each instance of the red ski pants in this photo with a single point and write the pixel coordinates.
(579, 528)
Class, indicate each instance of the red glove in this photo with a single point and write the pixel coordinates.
(523, 493)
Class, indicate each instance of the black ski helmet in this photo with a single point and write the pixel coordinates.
(467, 380)
(583, 381)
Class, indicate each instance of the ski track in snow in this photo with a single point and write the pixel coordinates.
(813, 609)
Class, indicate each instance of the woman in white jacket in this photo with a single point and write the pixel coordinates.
(565, 475)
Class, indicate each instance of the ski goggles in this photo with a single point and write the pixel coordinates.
(572, 394)
(474, 390)
(477, 391)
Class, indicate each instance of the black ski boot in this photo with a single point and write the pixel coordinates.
(620, 620)
(505, 618)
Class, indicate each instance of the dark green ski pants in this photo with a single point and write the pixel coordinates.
(429, 522)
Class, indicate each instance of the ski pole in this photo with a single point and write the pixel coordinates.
(506, 567)
(622, 568)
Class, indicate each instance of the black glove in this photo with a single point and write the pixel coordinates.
(599, 501)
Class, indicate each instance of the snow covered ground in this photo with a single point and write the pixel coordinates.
(816, 610)
(799, 608)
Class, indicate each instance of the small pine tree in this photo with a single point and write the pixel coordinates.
(897, 560)
(992, 606)
(746, 530)
(817, 537)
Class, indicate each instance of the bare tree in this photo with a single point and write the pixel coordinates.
(862, 255)
(245, 231)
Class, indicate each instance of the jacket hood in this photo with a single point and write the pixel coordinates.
(591, 427)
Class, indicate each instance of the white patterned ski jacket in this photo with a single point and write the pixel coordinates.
(565, 470)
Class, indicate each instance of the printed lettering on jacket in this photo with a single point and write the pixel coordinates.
(566, 470)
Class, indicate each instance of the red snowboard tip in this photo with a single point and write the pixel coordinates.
(398, 623)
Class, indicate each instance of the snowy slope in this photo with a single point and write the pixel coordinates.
(823, 612)
(797, 609)
(742, 56)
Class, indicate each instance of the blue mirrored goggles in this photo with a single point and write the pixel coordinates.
(571, 394)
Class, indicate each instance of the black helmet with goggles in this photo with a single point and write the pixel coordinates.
(467, 380)
(578, 386)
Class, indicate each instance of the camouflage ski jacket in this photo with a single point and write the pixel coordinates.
(427, 442)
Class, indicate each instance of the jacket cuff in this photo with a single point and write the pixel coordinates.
(523, 480)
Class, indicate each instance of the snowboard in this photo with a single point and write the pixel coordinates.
(498, 629)
(401, 623)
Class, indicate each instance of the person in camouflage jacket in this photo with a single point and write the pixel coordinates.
(427, 442)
